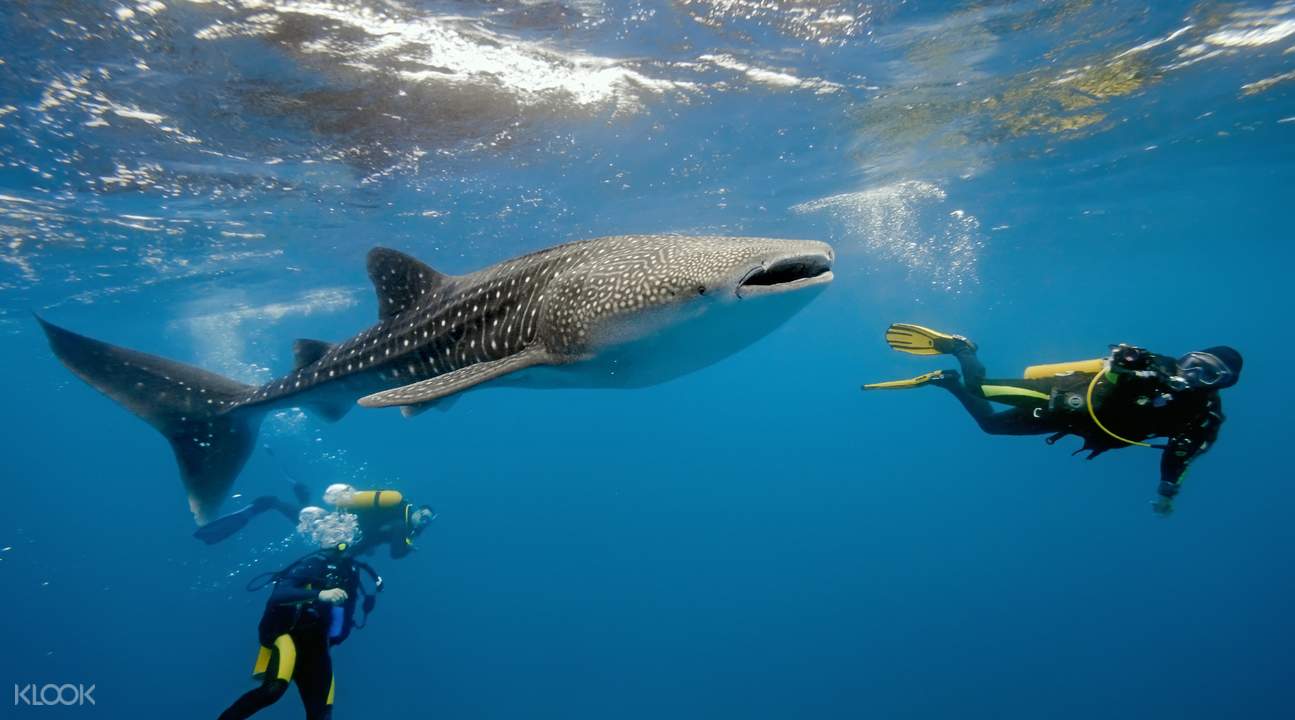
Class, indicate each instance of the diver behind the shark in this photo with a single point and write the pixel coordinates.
(617, 311)
(382, 517)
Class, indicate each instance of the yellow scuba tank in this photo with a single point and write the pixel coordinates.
(372, 499)
(1040, 372)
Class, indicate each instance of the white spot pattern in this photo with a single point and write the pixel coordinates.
(434, 324)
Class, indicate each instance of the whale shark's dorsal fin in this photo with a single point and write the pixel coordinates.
(433, 389)
(307, 352)
(401, 281)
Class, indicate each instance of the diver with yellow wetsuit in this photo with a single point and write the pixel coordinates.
(311, 608)
(1124, 399)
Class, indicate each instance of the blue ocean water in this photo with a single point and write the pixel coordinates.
(759, 539)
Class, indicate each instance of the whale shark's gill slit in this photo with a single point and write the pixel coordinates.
(787, 271)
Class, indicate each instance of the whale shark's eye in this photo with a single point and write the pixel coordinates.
(701, 289)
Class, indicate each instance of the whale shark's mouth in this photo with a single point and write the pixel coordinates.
(785, 275)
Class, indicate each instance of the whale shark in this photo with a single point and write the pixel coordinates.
(624, 311)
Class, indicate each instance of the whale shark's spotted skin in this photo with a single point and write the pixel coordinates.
(569, 306)
(452, 324)
(550, 300)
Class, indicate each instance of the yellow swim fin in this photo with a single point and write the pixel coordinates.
(918, 381)
(918, 340)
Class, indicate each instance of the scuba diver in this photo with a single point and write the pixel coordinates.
(1113, 402)
(385, 517)
(311, 608)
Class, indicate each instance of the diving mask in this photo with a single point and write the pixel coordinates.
(1204, 370)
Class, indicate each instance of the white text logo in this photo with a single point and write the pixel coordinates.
(33, 695)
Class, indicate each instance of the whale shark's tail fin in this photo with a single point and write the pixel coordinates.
(199, 412)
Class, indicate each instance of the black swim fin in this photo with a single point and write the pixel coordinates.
(224, 526)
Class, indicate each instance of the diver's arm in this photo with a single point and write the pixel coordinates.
(400, 547)
(1186, 446)
(295, 589)
(394, 533)
(1174, 462)
(286, 593)
(1136, 367)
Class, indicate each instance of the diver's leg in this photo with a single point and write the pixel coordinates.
(275, 684)
(1017, 421)
(976, 405)
(225, 526)
(973, 371)
(287, 510)
(970, 392)
(253, 701)
(300, 492)
(315, 678)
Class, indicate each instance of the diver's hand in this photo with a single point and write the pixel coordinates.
(335, 596)
(1130, 358)
(1163, 506)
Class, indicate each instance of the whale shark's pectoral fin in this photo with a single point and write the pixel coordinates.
(444, 404)
(415, 410)
(329, 410)
(433, 389)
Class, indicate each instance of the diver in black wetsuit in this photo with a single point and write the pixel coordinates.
(311, 608)
(384, 517)
(1122, 400)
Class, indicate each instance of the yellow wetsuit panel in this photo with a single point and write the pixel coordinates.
(993, 391)
(287, 652)
(262, 662)
(287, 656)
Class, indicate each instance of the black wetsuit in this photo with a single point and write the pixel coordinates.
(294, 610)
(1132, 406)
(389, 526)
